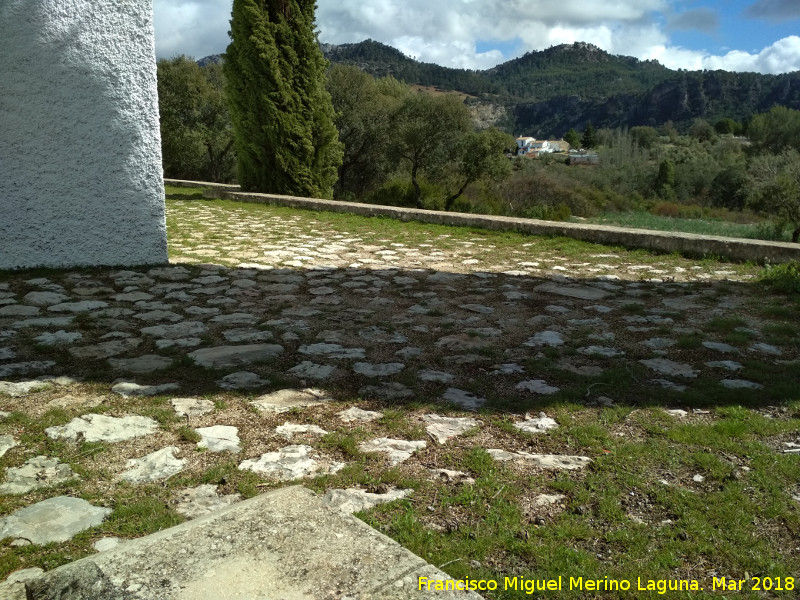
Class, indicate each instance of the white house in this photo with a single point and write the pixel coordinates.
(528, 146)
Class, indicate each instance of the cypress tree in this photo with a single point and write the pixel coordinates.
(589, 139)
(281, 113)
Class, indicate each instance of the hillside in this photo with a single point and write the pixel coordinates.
(545, 93)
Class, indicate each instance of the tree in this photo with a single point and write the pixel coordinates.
(665, 181)
(426, 130)
(644, 137)
(572, 138)
(282, 115)
(702, 130)
(776, 130)
(589, 139)
(196, 137)
(727, 127)
(728, 189)
(364, 109)
(773, 187)
(481, 154)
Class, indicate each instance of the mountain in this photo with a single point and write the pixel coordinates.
(545, 93)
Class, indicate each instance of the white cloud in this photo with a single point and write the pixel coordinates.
(196, 28)
(446, 31)
(781, 57)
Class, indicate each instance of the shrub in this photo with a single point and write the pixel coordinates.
(783, 278)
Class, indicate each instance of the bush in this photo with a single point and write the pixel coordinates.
(548, 213)
(400, 192)
(666, 209)
(783, 278)
(536, 194)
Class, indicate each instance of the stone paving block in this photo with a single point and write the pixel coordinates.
(267, 538)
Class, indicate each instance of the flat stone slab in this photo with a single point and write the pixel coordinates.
(105, 349)
(290, 463)
(537, 386)
(741, 384)
(219, 438)
(53, 520)
(7, 442)
(247, 335)
(267, 535)
(44, 298)
(378, 370)
(545, 338)
(242, 380)
(435, 376)
(102, 428)
(26, 367)
(464, 399)
(581, 292)
(312, 370)
(37, 472)
(234, 356)
(23, 388)
(286, 400)
(178, 330)
(192, 407)
(546, 461)
(766, 349)
(477, 308)
(288, 430)
(720, 347)
(397, 450)
(443, 428)
(58, 338)
(728, 365)
(356, 414)
(154, 466)
(604, 351)
(130, 388)
(203, 500)
(141, 364)
(353, 500)
(332, 351)
(78, 307)
(538, 424)
(670, 367)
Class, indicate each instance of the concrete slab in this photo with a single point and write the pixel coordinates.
(285, 544)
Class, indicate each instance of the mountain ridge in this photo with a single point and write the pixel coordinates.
(546, 92)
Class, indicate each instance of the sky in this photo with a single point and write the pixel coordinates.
(734, 35)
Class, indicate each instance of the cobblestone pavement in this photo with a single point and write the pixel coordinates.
(271, 329)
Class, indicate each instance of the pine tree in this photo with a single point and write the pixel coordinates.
(573, 139)
(281, 114)
(589, 139)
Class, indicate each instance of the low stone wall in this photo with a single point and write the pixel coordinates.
(689, 244)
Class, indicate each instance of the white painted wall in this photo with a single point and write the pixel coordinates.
(80, 154)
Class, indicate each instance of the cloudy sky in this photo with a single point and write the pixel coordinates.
(735, 35)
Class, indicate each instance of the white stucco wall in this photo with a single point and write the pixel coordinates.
(80, 154)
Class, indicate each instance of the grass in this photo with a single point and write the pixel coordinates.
(717, 227)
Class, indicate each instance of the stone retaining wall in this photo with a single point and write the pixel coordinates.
(689, 244)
